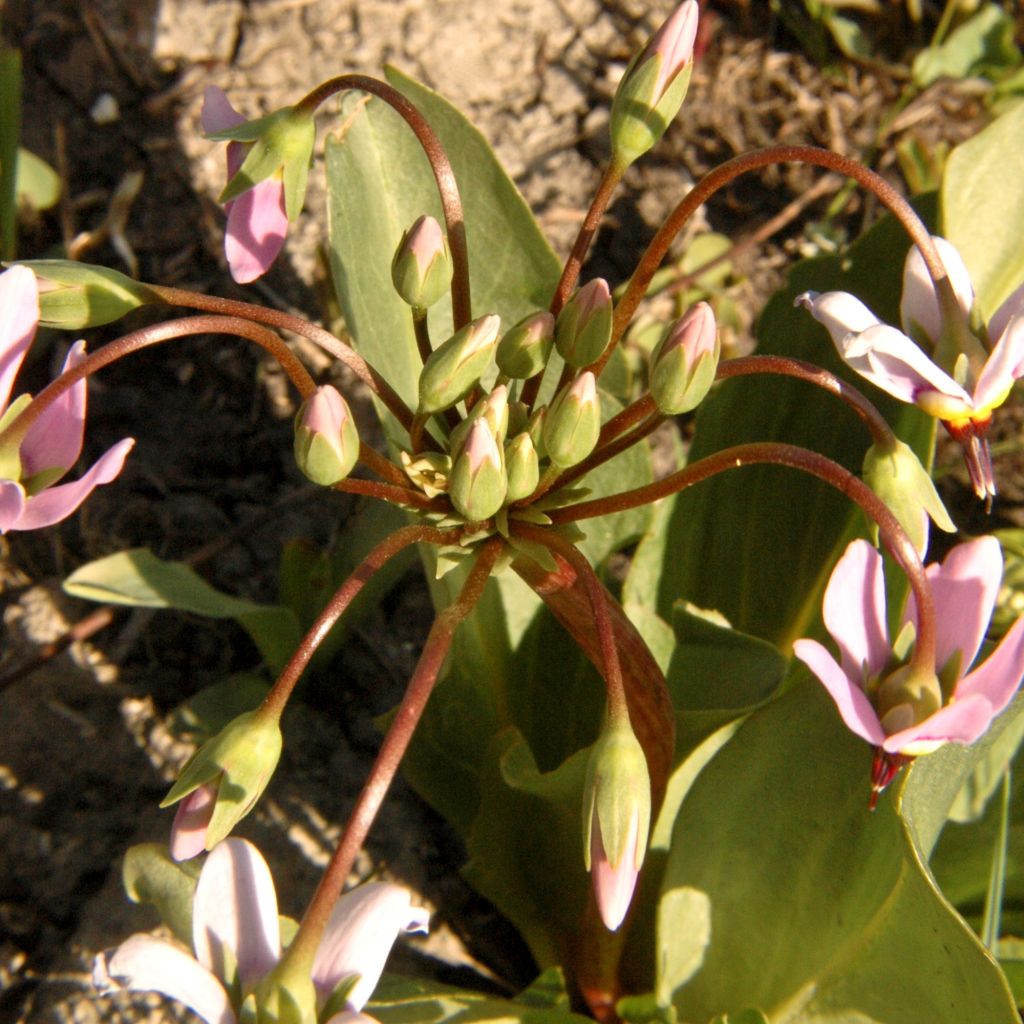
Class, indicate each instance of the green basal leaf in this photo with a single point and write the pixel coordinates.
(983, 46)
(150, 876)
(983, 207)
(38, 184)
(137, 578)
(214, 707)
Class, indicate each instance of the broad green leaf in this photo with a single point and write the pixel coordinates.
(983, 46)
(820, 911)
(983, 207)
(407, 1001)
(214, 707)
(138, 578)
(38, 183)
(757, 544)
(10, 134)
(150, 876)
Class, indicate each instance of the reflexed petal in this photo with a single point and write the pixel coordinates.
(235, 906)
(12, 504)
(839, 312)
(919, 303)
(999, 676)
(850, 700)
(54, 441)
(57, 503)
(218, 115)
(257, 225)
(191, 820)
(963, 721)
(19, 316)
(1004, 366)
(145, 964)
(613, 887)
(854, 610)
(360, 933)
(1013, 306)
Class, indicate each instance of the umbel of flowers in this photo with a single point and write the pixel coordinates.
(489, 473)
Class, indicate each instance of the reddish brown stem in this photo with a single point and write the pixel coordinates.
(447, 186)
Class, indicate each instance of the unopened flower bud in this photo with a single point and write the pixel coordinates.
(422, 267)
(478, 485)
(896, 475)
(229, 772)
(493, 408)
(326, 437)
(455, 367)
(522, 467)
(654, 86)
(616, 819)
(75, 295)
(683, 364)
(572, 422)
(584, 326)
(523, 351)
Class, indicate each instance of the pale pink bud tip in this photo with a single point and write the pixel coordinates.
(673, 42)
(584, 388)
(696, 332)
(481, 446)
(592, 296)
(326, 412)
(425, 242)
(613, 886)
(191, 820)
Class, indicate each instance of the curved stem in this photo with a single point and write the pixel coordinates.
(447, 187)
(286, 321)
(156, 334)
(772, 453)
(384, 468)
(731, 169)
(392, 750)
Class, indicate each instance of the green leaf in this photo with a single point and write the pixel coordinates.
(757, 544)
(982, 46)
(150, 876)
(10, 134)
(38, 184)
(214, 707)
(983, 207)
(820, 911)
(138, 579)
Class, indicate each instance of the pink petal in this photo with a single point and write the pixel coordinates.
(145, 964)
(839, 312)
(613, 887)
(236, 906)
(1013, 306)
(218, 115)
(850, 700)
(360, 933)
(191, 820)
(963, 721)
(19, 317)
(854, 610)
(999, 676)
(57, 503)
(12, 504)
(257, 225)
(54, 441)
(1004, 366)
(919, 303)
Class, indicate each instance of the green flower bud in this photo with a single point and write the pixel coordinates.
(522, 467)
(422, 267)
(683, 365)
(326, 437)
(524, 351)
(896, 475)
(455, 367)
(227, 775)
(584, 326)
(654, 86)
(493, 408)
(616, 818)
(77, 295)
(478, 485)
(572, 423)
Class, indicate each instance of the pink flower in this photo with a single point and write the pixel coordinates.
(964, 589)
(52, 445)
(236, 940)
(257, 222)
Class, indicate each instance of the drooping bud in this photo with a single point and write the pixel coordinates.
(616, 819)
(422, 267)
(326, 437)
(478, 484)
(524, 351)
(455, 367)
(228, 772)
(683, 364)
(654, 86)
(77, 295)
(896, 475)
(522, 467)
(584, 326)
(572, 422)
